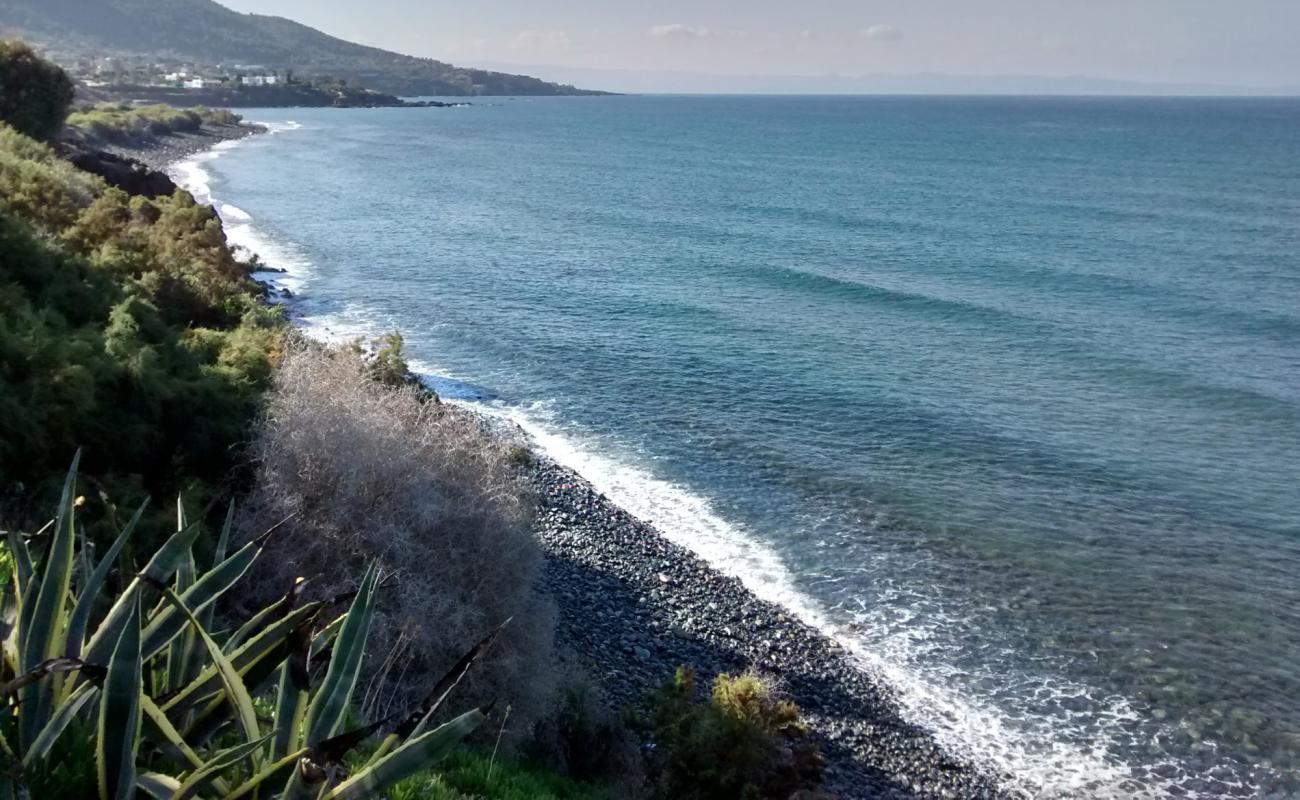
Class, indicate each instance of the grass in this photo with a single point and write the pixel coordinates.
(471, 775)
(121, 122)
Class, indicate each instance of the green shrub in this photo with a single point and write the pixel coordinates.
(586, 740)
(742, 743)
(467, 774)
(138, 691)
(124, 123)
(387, 364)
(34, 93)
(127, 326)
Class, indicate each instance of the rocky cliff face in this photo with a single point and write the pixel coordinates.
(131, 176)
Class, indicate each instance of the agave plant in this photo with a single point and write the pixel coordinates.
(168, 706)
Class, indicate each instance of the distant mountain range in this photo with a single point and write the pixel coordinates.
(683, 82)
(207, 32)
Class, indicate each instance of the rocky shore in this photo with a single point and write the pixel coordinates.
(158, 152)
(634, 606)
(139, 168)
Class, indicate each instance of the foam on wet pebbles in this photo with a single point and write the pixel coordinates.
(634, 606)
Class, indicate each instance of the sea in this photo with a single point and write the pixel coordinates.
(1001, 393)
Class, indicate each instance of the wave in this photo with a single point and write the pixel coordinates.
(1037, 756)
(1035, 760)
(289, 268)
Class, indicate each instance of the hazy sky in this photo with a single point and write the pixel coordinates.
(1230, 42)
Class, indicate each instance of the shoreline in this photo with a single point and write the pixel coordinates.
(633, 606)
(164, 151)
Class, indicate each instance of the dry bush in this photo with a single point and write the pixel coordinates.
(376, 472)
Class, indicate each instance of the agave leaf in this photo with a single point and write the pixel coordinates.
(26, 609)
(80, 619)
(267, 775)
(45, 669)
(169, 622)
(236, 692)
(324, 640)
(255, 651)
(413, 756)
(291, 697)
(46, 631)
(118, 738)
(181, 641)
(193, 656)
(224, 759)
(158, 570)
(157, 785)
(22, 560)
(327, 709)
(256, 622)
(418, 722)
(59, 720)
(171, 738)
(223, 539)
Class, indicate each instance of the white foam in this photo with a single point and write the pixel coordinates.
(193, 174)
(1038, 765)
(900, 653)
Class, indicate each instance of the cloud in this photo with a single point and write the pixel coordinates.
(542, 40)
(882, 33)
(679, 31)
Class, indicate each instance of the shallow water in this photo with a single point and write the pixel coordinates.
(1005, 393)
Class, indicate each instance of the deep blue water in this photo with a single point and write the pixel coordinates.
(1005, 393)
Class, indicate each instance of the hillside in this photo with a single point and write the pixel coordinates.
(205, 31)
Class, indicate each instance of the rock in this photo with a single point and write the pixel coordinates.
(127, 174)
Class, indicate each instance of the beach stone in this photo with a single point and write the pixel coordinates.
(600, 557)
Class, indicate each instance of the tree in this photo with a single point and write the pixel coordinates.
(34, 94)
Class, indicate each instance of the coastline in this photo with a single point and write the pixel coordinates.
(161, 152)
(633, 606)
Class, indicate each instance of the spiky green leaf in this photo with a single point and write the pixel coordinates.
(167, 623)
(86, 600)
(327, 709)
(59, 720)
(169, 739)
(158, 570)
(117, 738)
(197, 780)
(157, 785)
(416, 754)
(269, 643)
(47, 628)
(236, 693)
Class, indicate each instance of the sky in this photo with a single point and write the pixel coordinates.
(1234, 43)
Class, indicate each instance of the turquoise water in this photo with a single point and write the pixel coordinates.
(1004, 393)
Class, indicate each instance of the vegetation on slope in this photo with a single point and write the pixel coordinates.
(122, 123)
(148, 695)
(34, 94)
(127, 327)
(375, 469)
(207, 32)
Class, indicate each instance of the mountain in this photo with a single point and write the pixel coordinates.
(207, 32)
(684, 82)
